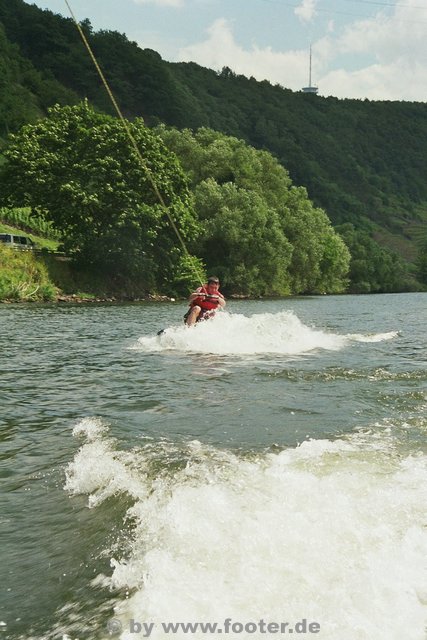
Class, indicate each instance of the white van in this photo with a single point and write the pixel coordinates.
(17, 242)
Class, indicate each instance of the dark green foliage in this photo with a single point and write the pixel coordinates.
(25, 93)
(144, 85)
(422, 262)
(373, 269)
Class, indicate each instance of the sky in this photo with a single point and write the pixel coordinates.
(360, 48)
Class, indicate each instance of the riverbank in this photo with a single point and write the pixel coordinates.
(62, 298)
(89, 299)
(27, 276)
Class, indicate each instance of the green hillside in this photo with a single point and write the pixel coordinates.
(363, 162)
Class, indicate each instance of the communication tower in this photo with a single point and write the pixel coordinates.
(310, 88)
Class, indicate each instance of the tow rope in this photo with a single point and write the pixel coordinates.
(134, 145)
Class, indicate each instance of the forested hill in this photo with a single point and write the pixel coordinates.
(363, 162)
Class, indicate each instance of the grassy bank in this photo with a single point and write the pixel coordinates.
(47, 275)
(40, 241)
(23, 277)
(36, 276)
(41, 275)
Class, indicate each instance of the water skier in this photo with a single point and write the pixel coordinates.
(204, 302)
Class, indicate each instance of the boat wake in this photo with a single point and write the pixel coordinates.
(327, 522)
(265, 333)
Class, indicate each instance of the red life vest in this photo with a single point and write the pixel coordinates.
(207, 302)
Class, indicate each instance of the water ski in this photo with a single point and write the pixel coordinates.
(206, 315)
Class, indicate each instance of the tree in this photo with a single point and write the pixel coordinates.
(320, 258)
(260, 233)
(78, 167)
(373, 269)
(242, 240)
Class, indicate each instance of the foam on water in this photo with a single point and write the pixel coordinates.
(374, 337)
(276, 333)
(331, 531)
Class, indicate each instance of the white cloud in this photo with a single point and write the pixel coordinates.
(306, 10)
(395, 45)
(383, 57)
(395, 81)
(220, 50)
(162, 3)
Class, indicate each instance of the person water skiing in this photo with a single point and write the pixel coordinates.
(204, 302)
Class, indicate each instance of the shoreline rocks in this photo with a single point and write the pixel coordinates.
(65, 298)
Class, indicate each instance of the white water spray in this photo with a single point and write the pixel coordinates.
(236, 334)
(330, 532)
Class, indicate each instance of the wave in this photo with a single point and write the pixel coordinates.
(373, 337)
(378, 374)
(329, 531)
(236, 334)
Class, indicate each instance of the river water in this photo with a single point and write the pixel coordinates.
(264, 468)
